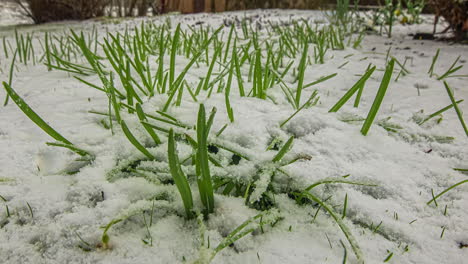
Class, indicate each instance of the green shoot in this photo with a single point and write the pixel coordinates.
(339, 221)
(438, 112)
(134, 141)
(455, 105)
(434, 60)
(434, 198)
(10, 78)
(378, 98)
(301, 72)
(320, 80)
(305, 105)
(451, 70)
(33, 116)
(202, 167)
(358, 85)
(287, 146)
(179, 176)
(142, 117)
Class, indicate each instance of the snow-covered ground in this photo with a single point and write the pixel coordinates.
(392, 218)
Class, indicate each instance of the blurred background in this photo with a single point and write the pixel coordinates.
(41, 11)
(15, 12)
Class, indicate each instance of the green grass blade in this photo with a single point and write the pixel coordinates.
(378, 98)
(179, 176)
(78, 151)
(203, 170)
(285, 149)
(301, 72)
(349, 236)
(455, 105)
(175, 43)
(446, 190)
(10, 76)
(33, 116)
(434, 60)
(338, 180)
(142, 117)
(439, 112)
(314, 94)
(134, 141)
(320, 80)
(353, 90)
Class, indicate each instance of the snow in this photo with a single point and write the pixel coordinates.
(406, 165)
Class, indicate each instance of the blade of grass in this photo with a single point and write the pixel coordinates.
(353, 90)
(134, 141)
(205, 186)
(446, 190)
(378, 98)
(455, 105)
(33, 116)
(179, 176)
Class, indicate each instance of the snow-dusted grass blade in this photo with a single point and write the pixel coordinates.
(244, 229)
